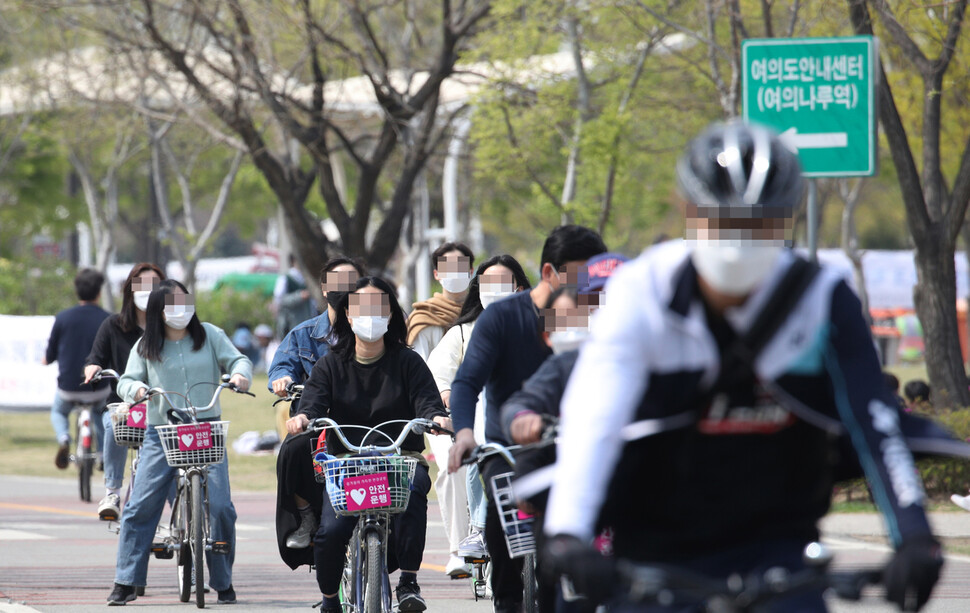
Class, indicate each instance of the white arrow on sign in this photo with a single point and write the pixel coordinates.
(820, 140)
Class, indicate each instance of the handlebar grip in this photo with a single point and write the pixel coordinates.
(436, 429)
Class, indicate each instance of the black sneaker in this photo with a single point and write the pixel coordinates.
(227, 596)
(409, 597)
(63, 456)
(121, 595)
(325, 609)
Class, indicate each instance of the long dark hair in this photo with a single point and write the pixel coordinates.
(342, 339)
(150, 346)
(472, 307)
(128, 317)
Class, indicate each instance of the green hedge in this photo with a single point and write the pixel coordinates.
(943, 477)
(226, 307)
(35, 286)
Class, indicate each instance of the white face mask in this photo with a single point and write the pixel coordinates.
(489, 297)
(370, 328)
(734, 270)
(455, 282)
(567, 340)
(140, 298)
(178, 316)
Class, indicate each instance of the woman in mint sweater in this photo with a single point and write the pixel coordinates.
(176, 352)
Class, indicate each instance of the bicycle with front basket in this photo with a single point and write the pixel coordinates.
(191, 446)
(371, 488)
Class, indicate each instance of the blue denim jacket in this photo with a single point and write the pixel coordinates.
(300, 350)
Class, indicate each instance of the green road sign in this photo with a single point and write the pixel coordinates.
(818, 93)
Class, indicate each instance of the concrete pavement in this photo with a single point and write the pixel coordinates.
(55, 556)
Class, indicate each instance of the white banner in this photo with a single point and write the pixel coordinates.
(24, 381)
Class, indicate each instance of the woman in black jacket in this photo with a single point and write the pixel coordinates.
(369, 377)
(113, 343)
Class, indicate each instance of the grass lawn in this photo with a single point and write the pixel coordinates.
(27, 443)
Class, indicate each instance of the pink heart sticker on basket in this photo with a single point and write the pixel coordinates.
(194, 436)
(136, 416)
(367, 492)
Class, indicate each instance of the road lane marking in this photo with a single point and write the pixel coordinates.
(21, 535)
(30, 507)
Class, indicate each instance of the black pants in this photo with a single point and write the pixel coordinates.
(408, 530)
(506, 572)
(294, 476)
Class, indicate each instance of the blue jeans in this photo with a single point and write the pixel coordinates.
(62, 427)
(144, 510)
(114, 456)
(477, 504)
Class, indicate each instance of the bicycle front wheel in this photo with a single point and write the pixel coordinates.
(529, 587)
(373, 575)
(197, 539)
(180, 532)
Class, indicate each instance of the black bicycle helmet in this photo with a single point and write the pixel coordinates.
(740, 170)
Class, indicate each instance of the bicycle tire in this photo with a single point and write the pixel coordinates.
(180, 532)
(86, 466)
(529, 587)
(198, 539)
(373, 577)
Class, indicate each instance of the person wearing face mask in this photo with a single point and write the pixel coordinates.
(704, 412)
(503, 352)
(429, 319)
(564, 329)
(369, 377)
(112, 346)
(496, 278)
(298, 495)
(180, 354)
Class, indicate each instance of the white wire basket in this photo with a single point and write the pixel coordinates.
(516, 526)
(177, 458)
(125, 435)
(334, 473)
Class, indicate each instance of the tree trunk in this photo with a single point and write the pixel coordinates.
(935, 299)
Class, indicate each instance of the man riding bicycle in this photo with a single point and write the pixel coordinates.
(703, 416)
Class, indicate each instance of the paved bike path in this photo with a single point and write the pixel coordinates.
(56, 556)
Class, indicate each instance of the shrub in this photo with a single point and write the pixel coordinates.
(36, 286)
(227, 307)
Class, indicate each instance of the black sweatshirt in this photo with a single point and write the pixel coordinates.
(111, 348)
(397, 386)
(71, 338)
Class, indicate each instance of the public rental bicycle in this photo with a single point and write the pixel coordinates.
(371, 487)
(517, 526)
(85, 455)
(128, 423)
(191, 446)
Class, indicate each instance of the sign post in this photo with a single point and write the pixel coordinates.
(819, 94)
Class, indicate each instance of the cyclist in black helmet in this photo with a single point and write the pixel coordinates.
(702, 415)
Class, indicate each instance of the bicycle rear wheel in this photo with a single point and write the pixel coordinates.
(373, 575)
(197, 539)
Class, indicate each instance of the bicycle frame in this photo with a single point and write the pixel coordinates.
(372, 529)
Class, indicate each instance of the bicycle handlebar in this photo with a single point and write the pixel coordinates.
(488, 450)
(293, 392)
(190, 413)
(736, 594)
(418, 425)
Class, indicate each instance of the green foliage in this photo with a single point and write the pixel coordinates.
(36, 287)
(943, 477)
(226, 308)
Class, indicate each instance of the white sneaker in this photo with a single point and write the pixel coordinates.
(961, 501)
(473, 546)
(457, 566)
(109, 509)
(301, 538)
